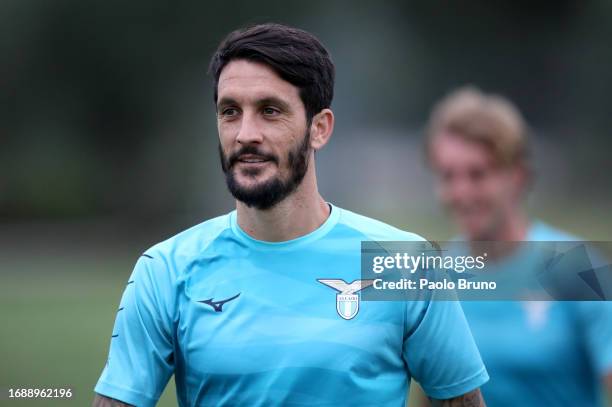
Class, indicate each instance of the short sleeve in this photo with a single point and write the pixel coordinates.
(596, 327)
(440, 351)
(141, 360)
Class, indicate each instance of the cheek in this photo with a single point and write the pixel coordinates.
(226, 132)
(444, 189)
(286, 143)
(497, 189)
(286, 137)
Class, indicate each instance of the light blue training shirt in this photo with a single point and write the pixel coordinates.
(244, 322)
(542, 353)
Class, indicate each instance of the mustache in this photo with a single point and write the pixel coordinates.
(250, 149)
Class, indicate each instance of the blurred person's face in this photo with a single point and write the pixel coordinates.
(478, 193)
(264, 140)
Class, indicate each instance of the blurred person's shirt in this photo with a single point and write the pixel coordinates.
(543, 353)
(279, 339)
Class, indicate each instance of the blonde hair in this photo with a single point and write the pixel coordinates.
(487, 119)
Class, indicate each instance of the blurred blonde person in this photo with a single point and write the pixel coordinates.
(537, 353)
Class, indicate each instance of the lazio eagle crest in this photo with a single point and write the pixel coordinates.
(347, 299)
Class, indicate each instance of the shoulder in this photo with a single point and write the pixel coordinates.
(195, 239)
(175, 253)
(373, 229)
(542, 231)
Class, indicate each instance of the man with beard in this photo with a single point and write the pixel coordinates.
(261, 306)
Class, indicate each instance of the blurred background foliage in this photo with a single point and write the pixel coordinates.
(109, 109)
(108, 136)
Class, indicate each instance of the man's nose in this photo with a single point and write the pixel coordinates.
(249, 132)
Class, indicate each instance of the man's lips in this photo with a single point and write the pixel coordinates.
(252, 159)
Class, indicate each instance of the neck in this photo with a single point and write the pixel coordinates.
(298, 214)
(512, 230)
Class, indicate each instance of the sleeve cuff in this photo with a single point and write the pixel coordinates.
(124, 395)
(459, 388)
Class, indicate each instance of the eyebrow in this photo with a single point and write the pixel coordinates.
(274, 101)
(225, 101)
(265, 101)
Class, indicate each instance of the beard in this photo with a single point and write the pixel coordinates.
(266, 194)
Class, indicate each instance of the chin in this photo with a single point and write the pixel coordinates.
(249, 179)
(257, 182)
(473, 230)
(254, 184)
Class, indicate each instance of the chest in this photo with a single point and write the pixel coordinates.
(525, 337)
(245, 314)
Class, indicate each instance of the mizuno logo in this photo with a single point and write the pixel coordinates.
(218, 305)
(347, 300)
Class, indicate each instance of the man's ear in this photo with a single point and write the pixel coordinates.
(321, 128)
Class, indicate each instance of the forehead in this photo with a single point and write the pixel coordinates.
(450, 149)
(246, 80)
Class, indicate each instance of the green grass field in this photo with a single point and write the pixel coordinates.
(57, 321)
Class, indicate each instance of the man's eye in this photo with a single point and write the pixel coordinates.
(270, 111)
(229, 111)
